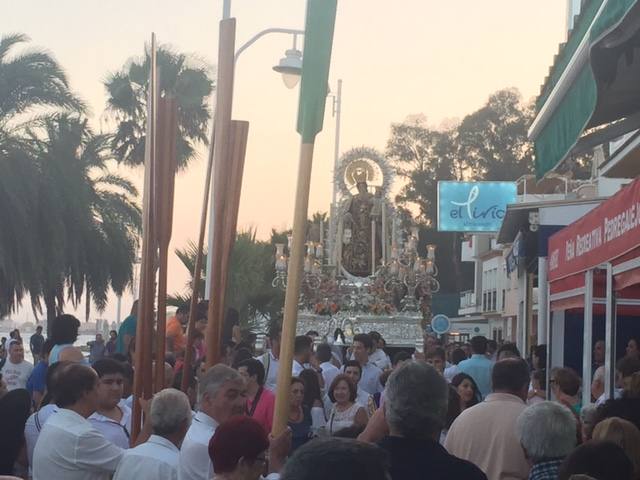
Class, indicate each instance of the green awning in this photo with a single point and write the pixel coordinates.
(606, 89)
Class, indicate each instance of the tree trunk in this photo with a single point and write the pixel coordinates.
(50, 305)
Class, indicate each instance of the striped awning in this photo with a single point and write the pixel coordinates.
(594, 81)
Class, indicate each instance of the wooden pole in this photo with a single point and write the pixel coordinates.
(238, 143)
(294, 280)
(224, 104)
(167, 134)
(197, 269)
(144, 327)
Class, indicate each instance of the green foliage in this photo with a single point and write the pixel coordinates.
(31, 79)
(69, 226)
(249, 287)
(489, 144)
(494, 139)
(179, 75)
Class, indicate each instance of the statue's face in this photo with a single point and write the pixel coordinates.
(362, 187)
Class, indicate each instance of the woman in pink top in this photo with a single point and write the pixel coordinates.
(260, 401)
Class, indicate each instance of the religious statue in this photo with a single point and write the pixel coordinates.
(362, 229)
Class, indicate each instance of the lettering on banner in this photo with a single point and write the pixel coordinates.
(620, 224)
(553, 260)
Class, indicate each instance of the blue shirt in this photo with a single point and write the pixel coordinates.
(479, 368)
(38, 379)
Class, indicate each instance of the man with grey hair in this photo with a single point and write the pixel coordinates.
(416, 399)
(547, 433)
(157, 458)
(221, 395)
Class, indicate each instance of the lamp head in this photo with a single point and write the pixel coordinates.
(290, 66)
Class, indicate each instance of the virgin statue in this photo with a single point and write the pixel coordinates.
(361, 227)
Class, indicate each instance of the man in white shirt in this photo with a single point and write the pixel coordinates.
(329, 370)
(221, 395)
(69, 447)
(158, 457)
(111, 418)
(378, 356)
(35, 423)
(370, 380)
(271, 360)
(303, 347)
(16, 370)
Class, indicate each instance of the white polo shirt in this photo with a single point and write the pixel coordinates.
(270, 364)
(380, 359)
(118, 433)
(70, 448)
(34, 426)
(155, 459)
(370, 380)
(329, 372)
(297, 368)
(194, 463)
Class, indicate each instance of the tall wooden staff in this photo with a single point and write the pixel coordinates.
(197, 269)
(224, 103)
(165, 183)
(320, 22)
(143, 375)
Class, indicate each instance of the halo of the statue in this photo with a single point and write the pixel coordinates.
(363, 155)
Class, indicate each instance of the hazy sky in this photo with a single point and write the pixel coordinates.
(396, 58)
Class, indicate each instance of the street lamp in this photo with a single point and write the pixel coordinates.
(290, 66)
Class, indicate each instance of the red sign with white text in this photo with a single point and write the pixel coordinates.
(605, 233)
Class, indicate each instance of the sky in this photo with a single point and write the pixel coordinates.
(396, 58)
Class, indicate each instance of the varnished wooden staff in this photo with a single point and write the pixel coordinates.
(197, 269)
(224, 103)
(165, 185)
(143, 342)
(235, 164)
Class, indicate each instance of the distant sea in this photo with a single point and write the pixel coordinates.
(81, 342)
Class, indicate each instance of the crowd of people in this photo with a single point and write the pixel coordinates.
(475, 410)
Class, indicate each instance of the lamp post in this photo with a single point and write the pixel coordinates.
(337, 110)
(290, 66)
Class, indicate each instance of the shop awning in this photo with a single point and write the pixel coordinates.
(610, 233)
(593, 82)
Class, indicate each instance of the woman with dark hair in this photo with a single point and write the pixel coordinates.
(15, 408)
(454, 408)
(299, 416)
(238, 449)
(467, 390)
(64, 333)
(633, 348)
(313, 398)
(345, 412)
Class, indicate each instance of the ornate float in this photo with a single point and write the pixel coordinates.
(368, 274)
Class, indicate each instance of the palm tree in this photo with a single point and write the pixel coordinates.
(127, 101)
(28, 80)
(31, 79)
(86, 219)
(249, 288)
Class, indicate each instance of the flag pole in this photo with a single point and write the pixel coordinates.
(319, 27)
